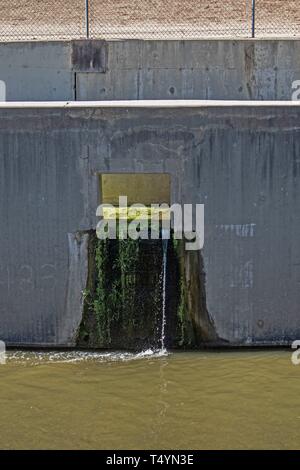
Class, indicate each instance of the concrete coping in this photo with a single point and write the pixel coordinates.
(145, 104)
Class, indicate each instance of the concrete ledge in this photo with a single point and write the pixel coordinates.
(146, 104)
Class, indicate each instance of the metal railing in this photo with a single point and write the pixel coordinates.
(147, 19)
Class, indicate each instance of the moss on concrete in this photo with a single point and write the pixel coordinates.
(123, 298)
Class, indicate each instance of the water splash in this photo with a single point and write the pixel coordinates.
(49, 357)
(164, 277)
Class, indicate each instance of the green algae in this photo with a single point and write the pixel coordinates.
(123, 298)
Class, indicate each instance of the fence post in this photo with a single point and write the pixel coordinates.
(253, 18)
(87, 19)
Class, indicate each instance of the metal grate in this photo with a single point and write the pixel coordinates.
(147, 19)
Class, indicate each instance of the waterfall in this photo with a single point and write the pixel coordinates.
(164, 279)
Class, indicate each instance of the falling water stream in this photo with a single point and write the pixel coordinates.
(164, 278)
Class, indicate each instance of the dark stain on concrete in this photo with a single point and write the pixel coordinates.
(195, 279)
(249, 68)
(89, 56)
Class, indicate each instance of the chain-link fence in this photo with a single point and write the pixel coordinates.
(277, 18)
(147, 19)
(170, 19)
(41, 19)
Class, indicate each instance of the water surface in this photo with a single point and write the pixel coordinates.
(201, 400)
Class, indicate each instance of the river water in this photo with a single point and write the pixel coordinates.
(201, 400)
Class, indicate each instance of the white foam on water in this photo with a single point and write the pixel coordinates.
(48, 357)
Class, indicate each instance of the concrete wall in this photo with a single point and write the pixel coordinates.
(37, 71)
(133, 69)
(241, 161)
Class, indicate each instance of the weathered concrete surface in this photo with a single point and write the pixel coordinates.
(242, 162)
(37, 71)
(77, 282)
(135, 69)
(216, 69)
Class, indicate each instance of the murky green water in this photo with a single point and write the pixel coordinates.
(180, 401)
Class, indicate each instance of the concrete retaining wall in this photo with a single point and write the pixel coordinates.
(241, 161)
(133, 69)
